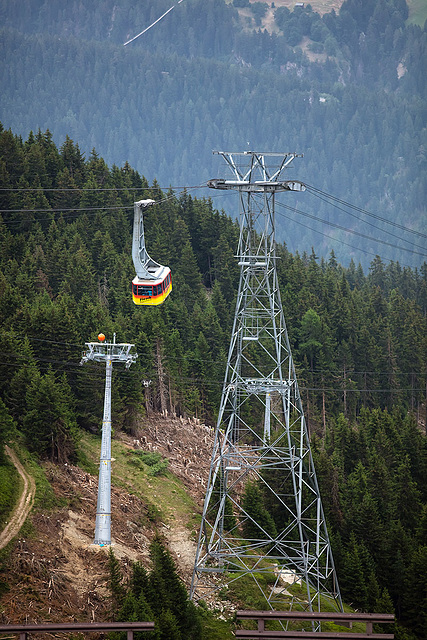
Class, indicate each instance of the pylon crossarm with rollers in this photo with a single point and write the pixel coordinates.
(261, 438)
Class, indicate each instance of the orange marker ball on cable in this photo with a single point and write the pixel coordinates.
(101, 337)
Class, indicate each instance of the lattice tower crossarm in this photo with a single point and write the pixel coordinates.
(261, 446)
(107, 352)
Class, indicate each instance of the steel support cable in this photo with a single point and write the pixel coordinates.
(339, 241)
(70, 365)
(93, 375)
(70, 216)
(210, 361)
(75, 369)
(319, 372)
(369, 223)
(347, 230)
(77, 209)
(96, 189)
(314, 190)
(216, 383)
(325, 235)
(100, 208)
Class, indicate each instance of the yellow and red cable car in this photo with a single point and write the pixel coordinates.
(153, 281)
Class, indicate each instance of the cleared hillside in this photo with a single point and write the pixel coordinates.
(53, 555)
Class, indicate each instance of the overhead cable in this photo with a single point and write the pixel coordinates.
(347, 230)
(374, 226)
(315, 191)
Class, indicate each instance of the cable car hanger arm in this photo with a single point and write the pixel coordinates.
(145, 266)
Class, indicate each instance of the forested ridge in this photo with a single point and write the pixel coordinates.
(359, 341)
(346, 89)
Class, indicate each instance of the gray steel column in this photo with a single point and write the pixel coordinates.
(103, 508)
(107, 352)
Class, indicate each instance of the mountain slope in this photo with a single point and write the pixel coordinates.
(352, 102)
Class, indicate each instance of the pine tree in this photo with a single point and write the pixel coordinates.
(384, 604)
(117, 589)
(311, 341)
(353, 577)
(7, 428)
(168, 626)
(373, 593)
(49, 424)
(172, 595)
(415, 594)
(136, 609)
(407, 495)
(229, 518)
(140, 582)
(258, 522)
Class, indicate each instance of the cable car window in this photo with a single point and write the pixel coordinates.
(144, 290)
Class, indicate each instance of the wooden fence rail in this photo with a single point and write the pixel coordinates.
(75, 627)
(344, 619)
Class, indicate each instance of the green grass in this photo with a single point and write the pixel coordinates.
(244, 593)
(150, 461)
(85, 461)
(133, 471)
(213, 627)
(10, 489)
(45, 496)
(417, 12)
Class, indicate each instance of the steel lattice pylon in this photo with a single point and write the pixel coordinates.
(262, 512)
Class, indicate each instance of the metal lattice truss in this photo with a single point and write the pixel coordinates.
(261, 439)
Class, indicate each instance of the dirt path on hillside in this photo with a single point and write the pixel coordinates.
(24, 506)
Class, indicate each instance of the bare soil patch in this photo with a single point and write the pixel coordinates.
(188, 445)
(56, 574)
(319, 6)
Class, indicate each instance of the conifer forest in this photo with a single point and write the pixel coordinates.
(90, 126)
